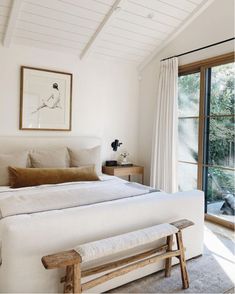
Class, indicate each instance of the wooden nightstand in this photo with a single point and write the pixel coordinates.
(120, 171)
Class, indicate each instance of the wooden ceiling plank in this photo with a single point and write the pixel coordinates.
(57, 32)
(12, 21)
(50, 36)
(183, 4)
(140, 18)
(115, 33)
(133, 34)
(59, 10)
(153, 32)
(140, 9)
(91, 5)
(101, 28)
(160, 7)
(200, 8)
(55, 24)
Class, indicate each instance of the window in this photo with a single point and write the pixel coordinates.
(206, 132)
(189, 93)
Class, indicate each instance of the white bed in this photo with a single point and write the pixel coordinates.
(25, 238)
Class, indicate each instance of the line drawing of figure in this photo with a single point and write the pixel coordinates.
(53, 101)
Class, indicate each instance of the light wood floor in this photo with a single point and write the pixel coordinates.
(220, 230)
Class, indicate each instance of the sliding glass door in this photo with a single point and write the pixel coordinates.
(206, 135)
(219, 138)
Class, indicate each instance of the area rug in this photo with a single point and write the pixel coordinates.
(213, 272)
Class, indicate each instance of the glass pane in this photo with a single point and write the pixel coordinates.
(187, 176)
(220, 193)
(222, 89)
(189, 89)
(188, 139)
(221, 141)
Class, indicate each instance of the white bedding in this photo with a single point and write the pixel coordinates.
(67, 195)
(25, 238)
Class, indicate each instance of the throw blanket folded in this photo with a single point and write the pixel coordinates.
(46, 198)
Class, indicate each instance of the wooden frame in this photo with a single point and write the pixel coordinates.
(67, 103)
(72, 261)
(220, 221)
(201, 67)
(208, 62)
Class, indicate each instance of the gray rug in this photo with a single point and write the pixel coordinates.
(205, 272)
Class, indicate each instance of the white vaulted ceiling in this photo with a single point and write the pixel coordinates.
(129, 30)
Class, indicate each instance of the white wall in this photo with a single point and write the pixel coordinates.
(105, 95)
(215, 24)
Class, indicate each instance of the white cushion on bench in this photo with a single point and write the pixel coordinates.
(116, 244)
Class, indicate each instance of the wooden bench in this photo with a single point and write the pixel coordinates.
(72, 260)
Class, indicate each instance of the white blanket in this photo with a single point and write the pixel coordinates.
(68, 195)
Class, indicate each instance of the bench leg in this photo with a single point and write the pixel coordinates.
(168, 262)
(184, 273)
(77, 288)
(72, 279)
(68, 285)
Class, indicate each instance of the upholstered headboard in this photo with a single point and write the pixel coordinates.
(10, 144)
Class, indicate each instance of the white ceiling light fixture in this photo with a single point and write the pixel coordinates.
(150, 15)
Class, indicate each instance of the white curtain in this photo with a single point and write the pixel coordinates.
(165, 137)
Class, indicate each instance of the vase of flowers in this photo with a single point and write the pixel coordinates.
(124, 158)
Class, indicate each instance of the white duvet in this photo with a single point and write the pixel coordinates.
(67, 195)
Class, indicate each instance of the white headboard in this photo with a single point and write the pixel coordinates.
(10, 144)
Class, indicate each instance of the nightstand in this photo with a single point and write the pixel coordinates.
(121, 171)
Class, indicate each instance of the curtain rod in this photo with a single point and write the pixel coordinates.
(198, 49)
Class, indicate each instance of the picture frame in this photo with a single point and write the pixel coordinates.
(45, 99)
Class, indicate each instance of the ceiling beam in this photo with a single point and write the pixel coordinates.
(12, 20)
(183, 26)
(101, 28)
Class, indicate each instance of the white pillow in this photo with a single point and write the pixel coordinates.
(86, 157)
(13, 159)
(51, 158)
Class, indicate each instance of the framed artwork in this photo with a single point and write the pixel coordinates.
(45, 99)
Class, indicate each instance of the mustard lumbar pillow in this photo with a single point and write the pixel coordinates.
(27, 177)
